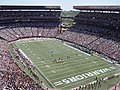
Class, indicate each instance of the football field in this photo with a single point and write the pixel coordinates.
(63, 66)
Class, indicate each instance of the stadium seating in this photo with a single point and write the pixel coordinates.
(11, 76)
(15, 25)
(105, 19)
(13, 16)
(102, 40)
(45, 29)
(87, 32)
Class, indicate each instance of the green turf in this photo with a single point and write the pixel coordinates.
(45, 51)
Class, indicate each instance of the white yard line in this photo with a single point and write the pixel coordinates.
(61, 65)
(38, 57)
(36, 67)
(89, 54)
(68, 68)
(87, 79)
(82, 62)
(73, 74)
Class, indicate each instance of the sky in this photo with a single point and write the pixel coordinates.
(65, 4)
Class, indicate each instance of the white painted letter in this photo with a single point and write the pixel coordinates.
(79, 77)
(66, 81)
(73, 79)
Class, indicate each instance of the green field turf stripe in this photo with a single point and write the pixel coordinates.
(67, 63)
(38, 62)
(61, 66)
(72, 85)
(75, 84)
(82, 67)
(71, 60)
(78, 66)
(66, 67)
(68, 70)
(49, 57)
(52, 85)
(73, 74)
(41, 48)
(87, 80)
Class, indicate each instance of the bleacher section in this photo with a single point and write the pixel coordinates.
(96, 31)
(41, 29)
(15, 16)
(11, 76)
(16, 23)
(105, 19)
(102, 40)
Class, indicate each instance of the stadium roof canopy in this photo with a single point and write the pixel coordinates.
(100, 8)
(28, 7)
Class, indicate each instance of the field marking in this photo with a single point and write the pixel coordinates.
(94, 62)
(73, 74)
(59, 65)
(76, 49)
(65, 58)
(47, 66)
(72, 67)
(42, 61)
(46, 78)
(87, 79)
(69, 64)
(53, 71)
(72, 84)
(113, 72)
(105, 73)
(88, 76)
(86, 58)
(34, 54)
(28, 49)
(66, 67)
(38, 57)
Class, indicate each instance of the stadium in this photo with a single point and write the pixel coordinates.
(39, 52)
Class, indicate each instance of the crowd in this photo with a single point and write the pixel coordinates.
(43, 29)
(99, 39)
(29, 15)
(12, 77)
(103, 40)
(97, 83)
(15, 25)
(105, 19)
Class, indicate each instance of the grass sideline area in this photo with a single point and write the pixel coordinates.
(64, 66)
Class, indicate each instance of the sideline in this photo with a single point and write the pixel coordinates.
(76, 49)
(38, 70)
